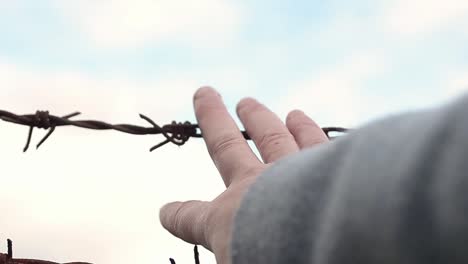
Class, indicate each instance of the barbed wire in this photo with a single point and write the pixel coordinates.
(8, 258)
(176, 133)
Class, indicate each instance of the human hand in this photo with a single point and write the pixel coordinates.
(210, 223)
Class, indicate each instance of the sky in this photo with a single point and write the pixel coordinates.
(95, 195)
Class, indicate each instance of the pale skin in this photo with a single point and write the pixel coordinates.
(209, 223)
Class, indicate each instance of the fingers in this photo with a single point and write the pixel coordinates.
(306, 132)
(186, 220)
(269, 133)
(226, 145)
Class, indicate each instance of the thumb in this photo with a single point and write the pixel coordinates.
(186, 220)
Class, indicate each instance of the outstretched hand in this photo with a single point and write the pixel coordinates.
(210, 223)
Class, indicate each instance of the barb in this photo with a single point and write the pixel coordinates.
(9, 249)
(176, 133)
(196, 254)
(8, 258)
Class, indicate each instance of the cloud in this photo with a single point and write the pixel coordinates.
(111, 96)
(122, 23)
(334, 96)
(425, 16)
(105, 97)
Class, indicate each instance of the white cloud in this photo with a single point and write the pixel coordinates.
(334, 96)
(111, 96)
(106, 97)
(425, 16)
(123, 23)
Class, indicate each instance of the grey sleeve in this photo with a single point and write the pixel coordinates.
(393, 191)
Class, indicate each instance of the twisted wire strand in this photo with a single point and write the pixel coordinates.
(8, 258)
(177, 133)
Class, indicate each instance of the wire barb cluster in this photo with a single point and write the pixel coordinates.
(10, 249)
(176, 133)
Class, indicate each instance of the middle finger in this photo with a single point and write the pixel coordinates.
(226, 145)
(269, 133)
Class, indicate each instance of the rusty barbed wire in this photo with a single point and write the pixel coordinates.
(176, 133)
(8, 258)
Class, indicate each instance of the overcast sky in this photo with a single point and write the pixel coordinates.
(94, 196)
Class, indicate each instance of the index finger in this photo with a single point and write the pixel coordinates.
(227, 147)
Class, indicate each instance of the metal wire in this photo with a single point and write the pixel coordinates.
(176, 133)
(8, 258)
(10, 249)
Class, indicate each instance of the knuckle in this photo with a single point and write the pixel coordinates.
(271, 144)
(224, 143)
(272, 139)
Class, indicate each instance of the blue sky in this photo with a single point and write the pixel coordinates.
(342, 62)
(270, 45)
